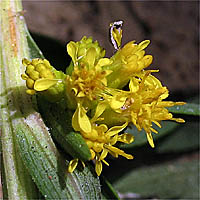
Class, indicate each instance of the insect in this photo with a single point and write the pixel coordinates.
(116, 33)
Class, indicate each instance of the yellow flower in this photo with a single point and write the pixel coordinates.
(127, 61)
(79, 50)
(133, 56)
(142, 105)
(38, 75)
(145, 104)
(88, 79)
(99, 138)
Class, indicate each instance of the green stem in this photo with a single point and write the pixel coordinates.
(14, 105)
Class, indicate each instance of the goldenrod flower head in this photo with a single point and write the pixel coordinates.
(38, 70)
(127, 61)
(144, 104)
(40, 76)
(88, 79)
(99, 138)
(79, 50)
(93, 87)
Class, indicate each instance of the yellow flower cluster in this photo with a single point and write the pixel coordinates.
(38, 70)
(88, 78)
(128, 61)
(40, 76)
(99, 138)
(142, 105)
(93, 87)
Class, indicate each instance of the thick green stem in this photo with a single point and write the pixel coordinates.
(14, 105)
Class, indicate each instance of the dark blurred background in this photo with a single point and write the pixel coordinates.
(172, 27)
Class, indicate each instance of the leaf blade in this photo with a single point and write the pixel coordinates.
(187, 109)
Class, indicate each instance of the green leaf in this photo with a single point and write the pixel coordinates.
(187, 109)
(108, 192)
(140, 136)
(185, 138)
(49, 169)
(177, 180)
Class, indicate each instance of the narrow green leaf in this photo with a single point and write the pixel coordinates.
(187, 109)
(185, 138)
(49, 169)
(177, 180)
(108, 192)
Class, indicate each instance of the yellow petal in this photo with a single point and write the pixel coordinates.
(44, 84)
(140, 54)
(133, 85)
(150, 139)
(180, 103)
(119, 152)
(72, 51)
(102, 128)
(103, 62)
(148, 60)
(93, 154)
(25, 62)
(24, 76)
(91, 56)
(103, 154)
(98, 167)
(83, 164)
(104, 81)
(117, 102)
(144, 44)
(105, 162)
(153, 130)
(126, 138)
(75, 90)
(83, 120)
(75, 123)
(157, 123)
(116, 129)
(113, 140)
(99, 110)
(81, 94)
(72, 165)
(178, 120)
